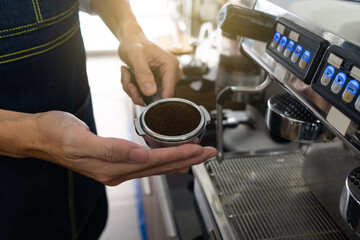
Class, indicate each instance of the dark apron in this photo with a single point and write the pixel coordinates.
(42, 68)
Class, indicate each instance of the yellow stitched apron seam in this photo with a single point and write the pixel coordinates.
(38, 8)
(35, 28)
(43, 45)
(71, 9)
(70, 33)
(35, 10)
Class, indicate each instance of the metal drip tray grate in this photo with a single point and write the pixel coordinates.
(265, 197)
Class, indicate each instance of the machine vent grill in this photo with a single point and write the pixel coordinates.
(265, 197)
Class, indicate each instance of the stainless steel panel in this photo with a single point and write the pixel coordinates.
(265, 196)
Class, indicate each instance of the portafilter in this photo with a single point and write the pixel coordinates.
(288, 119)
(168, 122)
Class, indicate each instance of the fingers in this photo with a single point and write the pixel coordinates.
(167, 161)
(144, 58)
(170, 154)
(144, 76)
(129, 87)
(180, 165)
(174, 161)
(111, 150)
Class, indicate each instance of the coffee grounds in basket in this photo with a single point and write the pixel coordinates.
(172, 118)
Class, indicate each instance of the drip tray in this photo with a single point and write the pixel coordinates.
(261, 196)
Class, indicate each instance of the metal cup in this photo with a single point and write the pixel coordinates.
(290, 120)
(156, 140)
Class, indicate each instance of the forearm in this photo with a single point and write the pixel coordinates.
(118, 16)
(16, 133)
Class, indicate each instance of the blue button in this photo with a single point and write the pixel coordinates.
(353, 86)
(290, 45)
(283, 41)
(277, 37)
(340, 78)
(298, 50)
(329, 71)
(306, 56)
(350, 91)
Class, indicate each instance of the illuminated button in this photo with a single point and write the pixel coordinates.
(282, 44)
(304, 59)
(357, 103)
(350, 91)
(338, 83)
(327, 75)
(289, 48)
(275, 40)
(296, 54)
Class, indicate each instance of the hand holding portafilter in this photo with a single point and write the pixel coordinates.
(147, 99)
(170, 121)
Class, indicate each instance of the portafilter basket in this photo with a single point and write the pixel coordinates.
(350, 200)
(288, 119)
(166, 122)
(172, 121)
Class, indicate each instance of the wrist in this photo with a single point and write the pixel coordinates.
(18, 133)
(29, 141)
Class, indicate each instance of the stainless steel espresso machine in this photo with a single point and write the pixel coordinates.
(296, 175)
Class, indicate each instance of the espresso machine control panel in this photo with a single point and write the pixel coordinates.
(337, 80)
(311, 60)
(298, 49)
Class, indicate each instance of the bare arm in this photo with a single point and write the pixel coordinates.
(137, 51)
(61, 138)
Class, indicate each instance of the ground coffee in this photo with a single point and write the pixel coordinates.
(172, 118)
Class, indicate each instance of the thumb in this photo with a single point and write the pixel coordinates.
(145, 80)
(144, 76)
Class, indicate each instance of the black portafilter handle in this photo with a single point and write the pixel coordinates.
(147, 99)
(245, 22)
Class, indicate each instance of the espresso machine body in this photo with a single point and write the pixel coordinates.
(305, 187)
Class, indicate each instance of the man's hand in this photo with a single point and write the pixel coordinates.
(138, 52)
(63, 139)
(145, 58)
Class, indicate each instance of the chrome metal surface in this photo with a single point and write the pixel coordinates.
(320, 18)
(289, 119)
(264, 196)
(165, 206)
(210, 206)
(219, 108)
(155, 140)
(350, 200)
(145, 182)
